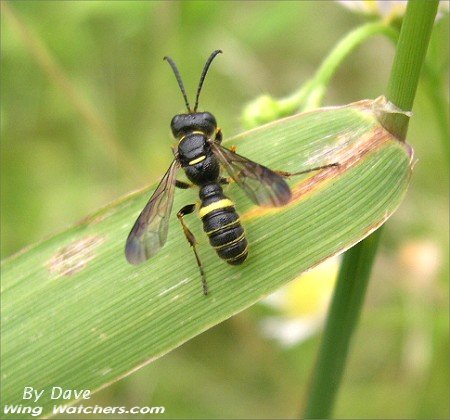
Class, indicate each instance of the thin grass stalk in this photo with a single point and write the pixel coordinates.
(88, 114)
(310, 95)
(357, 263)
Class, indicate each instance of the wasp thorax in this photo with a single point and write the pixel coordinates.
(192, 146)
(183, 124)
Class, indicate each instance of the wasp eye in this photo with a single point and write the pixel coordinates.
(178, 125)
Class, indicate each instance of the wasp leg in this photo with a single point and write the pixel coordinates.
(317, 168)
(191, 239)
(225, 181)
(218, 137)
(183, 185)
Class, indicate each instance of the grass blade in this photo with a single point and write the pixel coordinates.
(357, 263)
(75, 314)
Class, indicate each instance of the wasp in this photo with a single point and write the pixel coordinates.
(201, 155)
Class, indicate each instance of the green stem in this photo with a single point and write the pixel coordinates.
(357, 263)
(411, 49)
(341, 322)
(310, 95)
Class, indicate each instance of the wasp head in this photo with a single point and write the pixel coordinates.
(183, 124)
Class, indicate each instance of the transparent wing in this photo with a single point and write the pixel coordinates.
(263, 186)
(149, 232)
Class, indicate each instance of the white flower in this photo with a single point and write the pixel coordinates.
(301, 305)
(386, 9)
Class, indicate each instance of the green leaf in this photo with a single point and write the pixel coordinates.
(76, 315)
(357, 264)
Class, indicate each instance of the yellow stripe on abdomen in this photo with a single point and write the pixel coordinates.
(215, 206)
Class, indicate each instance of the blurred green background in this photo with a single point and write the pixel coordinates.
(86, 106)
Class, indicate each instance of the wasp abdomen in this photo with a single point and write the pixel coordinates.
(221, 224)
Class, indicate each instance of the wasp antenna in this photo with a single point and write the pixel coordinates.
(202, 77)
(179, 80)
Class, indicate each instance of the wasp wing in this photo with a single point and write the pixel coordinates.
(149, 232)
(263, 186)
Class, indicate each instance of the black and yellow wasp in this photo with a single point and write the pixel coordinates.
(201, 155)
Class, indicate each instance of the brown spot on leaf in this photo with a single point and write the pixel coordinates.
(73, 258)
(346, 157)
